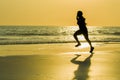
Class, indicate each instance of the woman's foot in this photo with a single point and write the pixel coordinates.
(77, 45)
(91, 50)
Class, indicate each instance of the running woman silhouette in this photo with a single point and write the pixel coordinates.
(82, 30)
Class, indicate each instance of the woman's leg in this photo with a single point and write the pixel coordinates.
(76, 38)
(87, 38)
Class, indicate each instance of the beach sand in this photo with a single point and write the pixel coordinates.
(60, 62)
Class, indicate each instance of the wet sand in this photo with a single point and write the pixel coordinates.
(60, 62)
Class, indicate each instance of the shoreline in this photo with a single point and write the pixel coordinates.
(39, 43)
(54, 48)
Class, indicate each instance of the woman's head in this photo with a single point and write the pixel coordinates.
(79, 13)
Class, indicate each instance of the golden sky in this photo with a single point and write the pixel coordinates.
(59, 12)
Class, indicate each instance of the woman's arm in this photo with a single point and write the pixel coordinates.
(77, 17)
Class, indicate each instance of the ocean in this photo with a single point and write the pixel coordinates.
(55, 34)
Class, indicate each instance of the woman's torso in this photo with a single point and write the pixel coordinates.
(82, 24)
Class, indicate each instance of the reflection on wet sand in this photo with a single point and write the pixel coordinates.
(83, 68)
